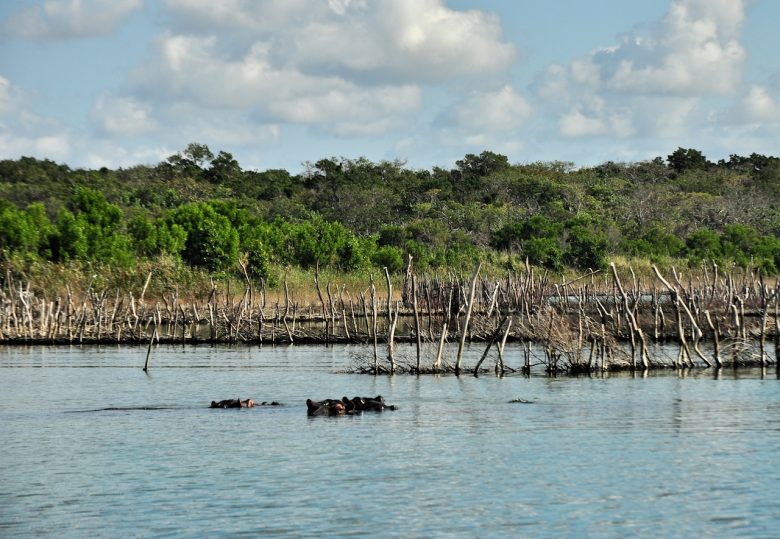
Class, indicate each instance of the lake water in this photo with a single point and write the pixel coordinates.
(667, 455)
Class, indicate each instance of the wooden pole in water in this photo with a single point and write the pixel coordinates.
(437, 363)
(633, 326)
(332, 309)
(149, 349)
(680, 305)
(765, 299)
(777, 333)
(325, 316)
(697, 333)
(374, 324)
(287, 311)
(492, 339)
(465, 328)
(391, 339)
(416, 319)
(715, 339)
(389, 296)
(352, 314)
(364, 307)
(500, 366)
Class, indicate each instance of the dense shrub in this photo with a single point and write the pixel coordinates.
(199, 208)
(211, 241)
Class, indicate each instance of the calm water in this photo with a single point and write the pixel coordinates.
(617, 456)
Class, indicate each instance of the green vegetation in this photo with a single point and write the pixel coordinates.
(198, 211)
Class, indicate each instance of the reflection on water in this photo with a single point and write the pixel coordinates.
(659, 455)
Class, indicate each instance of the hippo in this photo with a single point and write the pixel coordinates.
(376, 404)
(325, 407)
(347, 406)
(233, 403)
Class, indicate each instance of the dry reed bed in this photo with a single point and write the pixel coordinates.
(599, 321)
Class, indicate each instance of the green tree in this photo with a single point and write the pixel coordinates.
(746, 247)
(153, 237)
(224, 169)
(69, 241)
(24, 232)
(468, 179)
(389, 257)
(587, 248)
(537, 238)
(102, 226)
(211, 242)
(258, 260)
(683, 160)
(702, 245)
(545, 252)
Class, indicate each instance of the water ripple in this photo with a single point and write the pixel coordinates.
(94, 448)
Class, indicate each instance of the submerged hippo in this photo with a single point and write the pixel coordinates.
(325, 407)
(360, 404)
(356, 405)
(238, 403)
(233, 403)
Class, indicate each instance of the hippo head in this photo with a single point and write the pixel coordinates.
(311, 405)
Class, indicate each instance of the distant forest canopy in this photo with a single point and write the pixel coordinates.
(205, 211)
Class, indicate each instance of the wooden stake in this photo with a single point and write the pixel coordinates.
(469, 308)
(149, 349)
(416, 319)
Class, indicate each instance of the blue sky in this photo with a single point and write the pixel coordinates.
(280, 82)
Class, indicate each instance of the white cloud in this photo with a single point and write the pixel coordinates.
(586, 73)
(660, 80)
(235, 15)
(54, 146)
(695, 51)
(5, 96)
(554, 86)
(758, 106)
(63, 19)
(576, 124)
(193, 69)
(243, 73)
(493, 119)
(111, 155)
(181, 123)
(669, 117)
(122, 116)
(351, 111)
(597, 119)
(397, 41)
(420, 40)
(340, 6)
(496, 112)
(23, 132)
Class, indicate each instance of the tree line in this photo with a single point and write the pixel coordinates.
(204, 211)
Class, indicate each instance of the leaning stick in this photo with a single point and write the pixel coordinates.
(465, 328)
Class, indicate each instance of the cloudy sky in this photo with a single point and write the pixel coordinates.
(279, 82)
